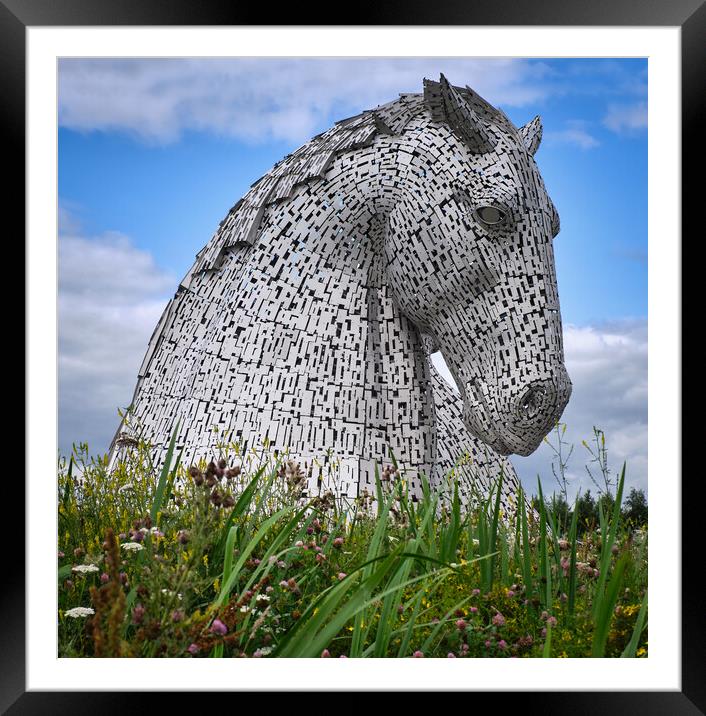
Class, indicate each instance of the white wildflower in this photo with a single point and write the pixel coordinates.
(84, 568)
(77, 612)
(245, 608)
(265, 650)
(132, 546)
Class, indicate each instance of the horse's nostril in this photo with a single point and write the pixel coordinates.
(531, 402)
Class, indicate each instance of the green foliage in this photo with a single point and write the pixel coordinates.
(230, 558)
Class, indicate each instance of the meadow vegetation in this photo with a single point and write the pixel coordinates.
(228, 558)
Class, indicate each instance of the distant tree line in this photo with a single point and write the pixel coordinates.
(633, 511)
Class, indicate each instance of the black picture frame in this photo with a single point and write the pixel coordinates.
(690, 15)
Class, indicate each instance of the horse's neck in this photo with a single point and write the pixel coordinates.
(330, 360)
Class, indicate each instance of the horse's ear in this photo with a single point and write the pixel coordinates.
(447, 104)
(531, 134)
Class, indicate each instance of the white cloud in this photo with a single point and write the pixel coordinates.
(575, 133)
(626, 118)
(257, 99)
(608, 368)
(111, 295)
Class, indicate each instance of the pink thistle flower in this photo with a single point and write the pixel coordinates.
(218, 627)
(461, 624)
(418, 655)
(338, 542)
(499, 619)
(193, 649)
(502, 644)
(104, 578)
(475, 592)
(451, 655)
(473, 610)
(325, 654)
(551, 621)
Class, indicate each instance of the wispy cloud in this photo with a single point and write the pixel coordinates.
(111, 295)
(626, 118)
(608, 368)
(575, 133)
(263, 99)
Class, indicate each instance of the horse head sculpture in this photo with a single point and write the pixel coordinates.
(310, 315)
(478, 275)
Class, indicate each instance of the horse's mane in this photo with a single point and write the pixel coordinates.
(312, 159)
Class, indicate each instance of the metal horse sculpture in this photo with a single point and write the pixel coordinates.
(310, 316)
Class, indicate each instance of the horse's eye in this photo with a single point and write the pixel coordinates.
(490, 215)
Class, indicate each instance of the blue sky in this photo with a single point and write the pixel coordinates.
(153, 153)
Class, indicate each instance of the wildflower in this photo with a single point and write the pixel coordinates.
(262, 598)
(338, 542)
(84, 568)
(123, 578)
(487, 643)
(418, 655)
(325, 654)
(342, 576)
(177, 615)
(551, 621)
(473, 610)
(284, 584)
(510, 593)
(218, 627)
(132, 546)
(60, 554)
(78, 552)
(544, 616)
(104, 578)
(461, 624)
(499, 619)
(450, 655)
(137, 536)
(269, 590)
(193, 649)
(138, 614)
(475, 592)
(245, 608)
(502, 644)
(272, 559)
(282, 564)
(77, 612)
(563, 544)
(465, 647)
(320, 558)
(68, 584)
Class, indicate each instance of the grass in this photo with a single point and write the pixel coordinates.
(228, 559)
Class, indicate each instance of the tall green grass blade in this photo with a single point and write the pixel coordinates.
(606, 604)
(159, 494)
(631, 649)
(264, 529)
(573, 572)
